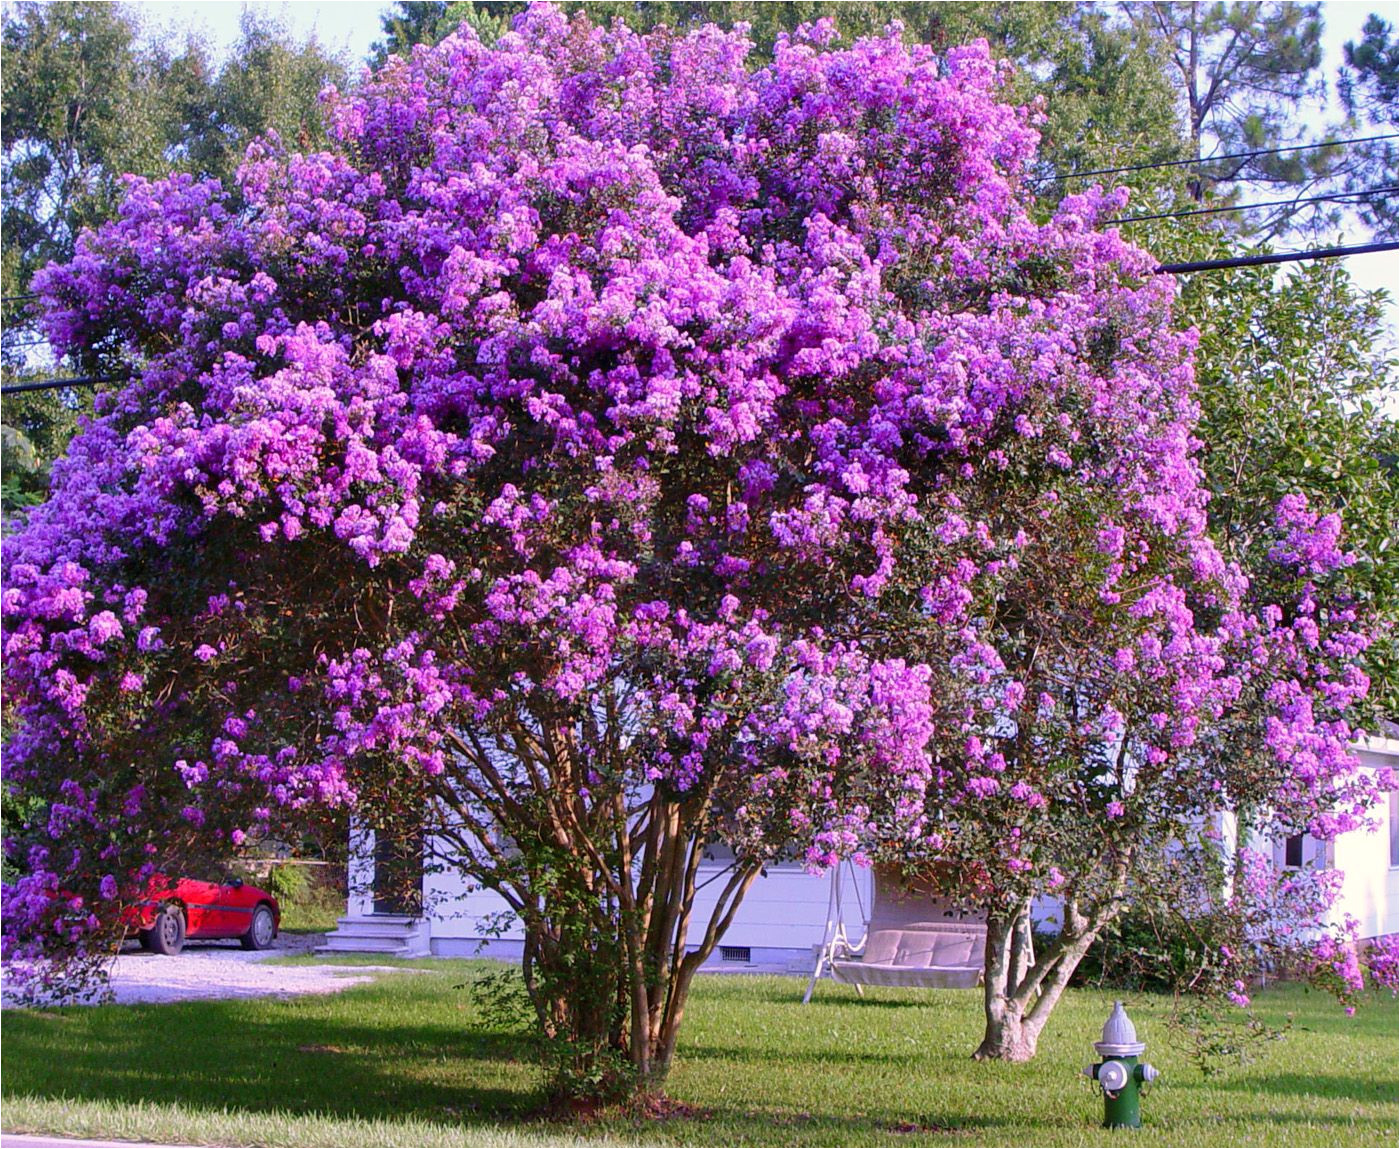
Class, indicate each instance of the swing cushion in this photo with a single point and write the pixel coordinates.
(934, 956)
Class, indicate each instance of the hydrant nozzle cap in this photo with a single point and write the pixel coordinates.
(1119, 1035)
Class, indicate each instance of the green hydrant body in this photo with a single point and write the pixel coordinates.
(1120, 1074)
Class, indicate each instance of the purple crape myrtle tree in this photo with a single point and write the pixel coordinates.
(1122, 690)
(606, 449)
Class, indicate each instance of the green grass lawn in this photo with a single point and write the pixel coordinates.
(409, 1061)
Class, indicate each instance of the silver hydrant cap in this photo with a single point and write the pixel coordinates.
(1119, 1035)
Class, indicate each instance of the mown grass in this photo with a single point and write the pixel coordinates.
(411, 1061)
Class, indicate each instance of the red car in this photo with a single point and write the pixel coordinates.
(173, 911)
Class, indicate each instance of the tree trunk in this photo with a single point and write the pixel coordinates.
(605, 881)
(1021, 988)
(1008, 1035)
(609, 963)
(1007, 1038)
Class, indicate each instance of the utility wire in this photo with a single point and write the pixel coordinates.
(53, 384)
(1390, 190)
(1161, 269)
(1058, 177)
(1276, 257)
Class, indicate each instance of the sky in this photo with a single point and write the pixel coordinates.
(348, 26)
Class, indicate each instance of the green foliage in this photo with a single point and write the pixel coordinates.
(85, 100)
(1296, 376)
(410, 22)
(1368, 85)
(37, 427)
(1242, 70)
(1216, 1036)
(1242, 73)
(317, 903)
(82, 104)
(1143, 951)
(1108, 101)
(311, 897)
(287, 883)
(270, 83)
(1151, 949)
(1368, 82)
(18, 463)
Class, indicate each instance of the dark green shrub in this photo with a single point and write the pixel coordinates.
(1143, 951)
(288, 884)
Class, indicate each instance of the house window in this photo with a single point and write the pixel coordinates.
(1293, 851)
(1395, 827)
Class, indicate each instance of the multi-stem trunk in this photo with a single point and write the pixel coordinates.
(610, 987)
(1011, 1029)
(604, 873)
(1022, 986)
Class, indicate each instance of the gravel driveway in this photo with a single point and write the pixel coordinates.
(224, 970)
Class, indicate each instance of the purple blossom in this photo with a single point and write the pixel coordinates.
(609, 384)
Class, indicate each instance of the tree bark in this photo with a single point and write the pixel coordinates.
(1007, 1035)
(1022, 988)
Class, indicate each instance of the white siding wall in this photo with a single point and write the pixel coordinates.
(1371, 889)
(784, 911)
(787, 908)
(784, 914)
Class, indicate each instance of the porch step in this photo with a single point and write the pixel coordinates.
(352, 945)
(394, 935)
(375, 927)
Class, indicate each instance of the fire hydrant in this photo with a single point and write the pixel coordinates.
(1120, 1075)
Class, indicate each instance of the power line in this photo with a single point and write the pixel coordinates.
(1211, 159)
(1276, 257)
(1390, 190)
(54, 384)
(1160, 269)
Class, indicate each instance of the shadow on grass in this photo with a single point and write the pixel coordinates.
(225, 1055)
(817, 1057)
(320, 1058)
(1311, 1084)
(407, 1048)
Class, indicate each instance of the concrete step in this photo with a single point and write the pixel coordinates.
(378, 927)
(395, 946)
(401, 919)
(394, 935)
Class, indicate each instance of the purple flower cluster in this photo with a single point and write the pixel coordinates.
(732, 430)
(1383, 962)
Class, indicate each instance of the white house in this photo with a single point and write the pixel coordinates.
(1369, 858)
(781, 919)
(786, 913)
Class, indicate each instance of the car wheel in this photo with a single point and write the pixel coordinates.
(168, 934)
(261, 932)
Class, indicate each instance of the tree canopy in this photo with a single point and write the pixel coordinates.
(607, 445)
(87, 99)
(1113, 102)
(1369, 85)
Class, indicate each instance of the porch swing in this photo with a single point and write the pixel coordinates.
(911, 938)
